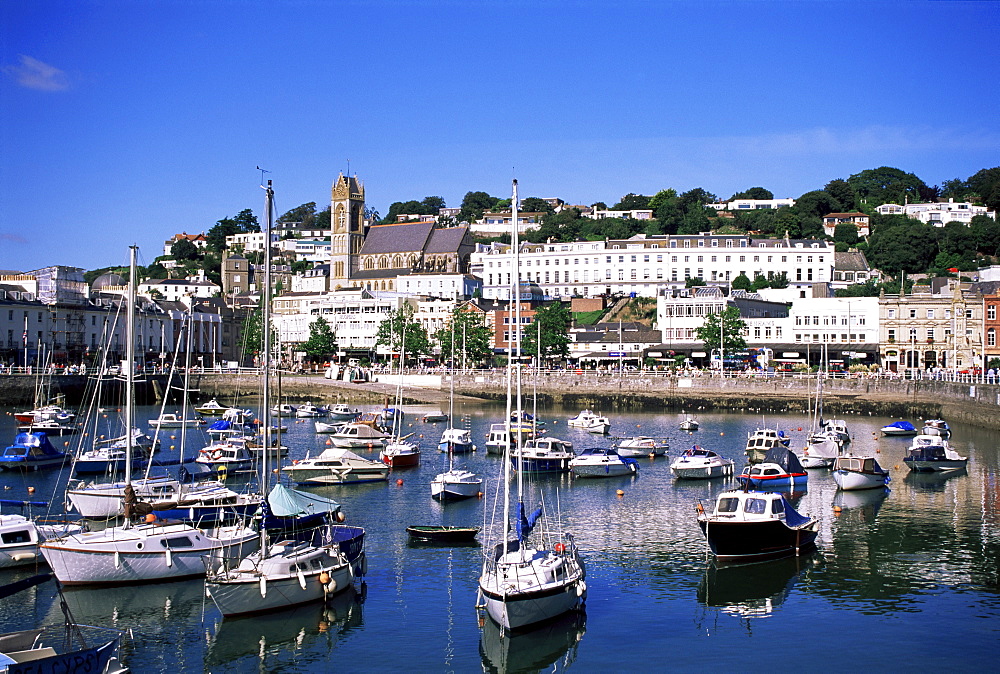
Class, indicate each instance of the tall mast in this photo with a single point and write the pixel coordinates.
(265, 300)
(130, 363)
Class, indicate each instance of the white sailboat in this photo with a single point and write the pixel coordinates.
(153, 550)
(288, 572)
(455, 483)
(527, 577)
(399, 450)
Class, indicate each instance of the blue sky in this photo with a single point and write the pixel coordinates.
(127, 122)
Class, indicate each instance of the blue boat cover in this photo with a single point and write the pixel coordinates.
(902, 425)
(785, 458)
(792, 516)
(525, 523)
(38, 442)
(220, 425)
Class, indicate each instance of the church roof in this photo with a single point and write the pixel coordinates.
(447, 240)
(397, 238)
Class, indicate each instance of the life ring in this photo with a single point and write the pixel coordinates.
(560, 547)
(216, 455)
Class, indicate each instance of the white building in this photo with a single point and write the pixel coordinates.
(647, 265)
(310, 250)
(453, 286)
(752, 204)
(938, 214)
(249, 242)
(175, 290)
(494, 223)
(637, 214)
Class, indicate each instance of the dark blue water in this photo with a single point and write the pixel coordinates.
(907, 580)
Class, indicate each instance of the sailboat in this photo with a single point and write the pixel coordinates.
(824, 444)
(399, 451)
(287, 571)
(152, 550)
(524, 582)
(455, 483)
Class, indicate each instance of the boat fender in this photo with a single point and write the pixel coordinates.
(170, 558)
(263, 586)
(330, 587)
(24, 557)
(581, 589)
(118, 560)
(364, 564)
(302, 580)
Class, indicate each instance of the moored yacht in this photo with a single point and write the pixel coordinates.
(856, 472)
(752, 525)
(930, 453)
(701, 464)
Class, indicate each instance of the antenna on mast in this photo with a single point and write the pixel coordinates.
(262, 172)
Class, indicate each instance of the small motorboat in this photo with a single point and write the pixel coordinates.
(284, 410)
(933, 453)
(701, 464)
(602, 462)
(837, 427)
(309, 411)
(902, 429)
(936, 427)
(342, 412)
(822, 447)
(213, 408)
(752, 525)
(172, 420)
(456, 441)
(456, 484)
(543, 455)
(50, 427)
(590, 422)
(358, 436)
(336, 465)
(689, 424)
(389, 417)
(434, 417)
(228, 454)
(443, 534)
(20, 536)
(640, 447)
(44, 413)
(763, 440)
(855, 472)
(779, 470)
(32, 451)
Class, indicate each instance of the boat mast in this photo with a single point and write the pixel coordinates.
(516, 281)
(130, 365)
(187, 380)
(265, 300)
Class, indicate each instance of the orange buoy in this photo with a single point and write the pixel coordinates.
(800, 428)
(31, 490)
(721, 433)
(399, 482)
(560, 547)
(699, 508)
(329, 441)
(324, 578)
(620, 493)
(837, 509)
(150, 518)
(479, 495)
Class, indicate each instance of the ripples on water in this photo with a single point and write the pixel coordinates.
(907, 578)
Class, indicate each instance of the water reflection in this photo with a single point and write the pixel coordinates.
(862, 503)
(933, 481)
(550, 645)
(751, 590)
(265, 642)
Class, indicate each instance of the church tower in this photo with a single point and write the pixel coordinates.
(347, 212)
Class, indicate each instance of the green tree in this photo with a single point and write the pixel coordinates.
(753, 193)
(305, 214)
(474, 204)
(986, 183)
(885, 185)
(817, 202)
(399, 329)
(759, 282)
(473, 339)
(842, 194)
(183, 249)
(779, 280)
(246, 221)
(741, 282)
(730, 334)
(846, 233)
(986, 232)
(631, 202)
(535, 205)
(694, 282)
(554, 321)
(322, 342)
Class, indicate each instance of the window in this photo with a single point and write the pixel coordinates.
(756, 506)
(930, 334)
(991, 337)
(892, 313)
(991, 312)
(930, 313)
(913, 313)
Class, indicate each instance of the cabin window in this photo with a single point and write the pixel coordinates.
(179, 542)
(771, 471)
(13, 537)
(729, 505)
(756, 506)
(777, 507)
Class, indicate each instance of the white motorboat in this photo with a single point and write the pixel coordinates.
(901, 429)
(701, 464)
(837, 427)
(590, 422)
(213, 408)
(342, 412)
(336, 465)
(762, 440)
(455, 484)
(171, 420)
(358, 436)
(936, 427)
(20, 536)
(689, 424)
(496, 440)
(456, 441)
(543, 455)
(855, 472)
(641, 446)
(933, 453)
(821, 449)
(527, 578)
(227, 455)
(309, 411)
(285, 410)
(602, 462)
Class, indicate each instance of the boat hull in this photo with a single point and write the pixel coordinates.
(703, 472)
(746, 541)
(401, 460)
(245, 596)
(445, 489)
(776, 483)
(337, 476)
(934, 465)
(849, 480)
(603, 470)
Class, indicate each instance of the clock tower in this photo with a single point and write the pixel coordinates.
(347, 212)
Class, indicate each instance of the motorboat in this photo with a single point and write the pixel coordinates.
(342, 412)
(762, 440)
(309, 411)
(434, 417)
(698, 463)
(497, 440)
(227, 455)
(780, 469)
(936, 427)
(753, 525)
(358, 436)
(640, 447)
(855, 472)
(44, 413)
(527, 578)
(105, 460)
(836, 427)
(689, 424)
(172, 420)
(20, 536)
(456, 441)
(543, 455)
(213, 408)
(285, 410)
(455, 484)
(443, 534)
(327, 426)
(390, 416)
(899, 429)
(590, 422)
(336, 465)
(32, 451)
(602, 462)
(400, 452)
(933, 453)
(50, 427)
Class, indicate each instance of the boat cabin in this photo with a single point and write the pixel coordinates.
(750, 505)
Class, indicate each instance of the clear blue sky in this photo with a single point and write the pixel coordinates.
(125, 121)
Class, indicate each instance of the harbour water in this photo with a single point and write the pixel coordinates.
(907, 579)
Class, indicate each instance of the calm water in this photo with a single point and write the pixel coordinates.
(903, 580)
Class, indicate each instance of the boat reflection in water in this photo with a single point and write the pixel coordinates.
(264, 640)
(147, 609)
(866, 503)
(550, 644)
(935, 481)
(751, 590)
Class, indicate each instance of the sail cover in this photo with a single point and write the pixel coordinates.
(785, 458)
(525, 523)
(285, 502)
